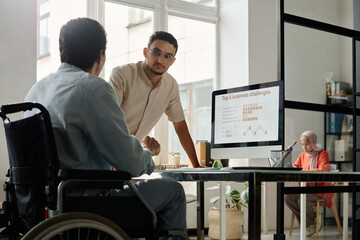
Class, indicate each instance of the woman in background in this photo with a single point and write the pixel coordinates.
(312, 159)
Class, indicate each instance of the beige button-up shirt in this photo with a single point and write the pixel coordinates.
(142, 104)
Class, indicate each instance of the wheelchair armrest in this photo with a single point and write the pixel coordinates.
(97, 179)
(93, 174)
(22, 106)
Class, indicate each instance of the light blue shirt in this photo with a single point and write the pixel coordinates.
(89, 126)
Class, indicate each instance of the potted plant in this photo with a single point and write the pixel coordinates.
(235, 202)
(176, 157)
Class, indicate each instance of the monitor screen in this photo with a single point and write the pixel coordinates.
(247, 122)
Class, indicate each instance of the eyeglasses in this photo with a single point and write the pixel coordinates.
(167, 56)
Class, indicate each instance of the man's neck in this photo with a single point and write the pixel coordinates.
(154, 78)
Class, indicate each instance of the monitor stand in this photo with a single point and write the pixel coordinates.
(249, 162)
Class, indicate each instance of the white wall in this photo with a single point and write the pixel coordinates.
(234, 42)
(262, 41)
(18, 61)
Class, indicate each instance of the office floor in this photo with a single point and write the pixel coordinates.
(327, 233)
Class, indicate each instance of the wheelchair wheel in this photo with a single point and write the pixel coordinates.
(76, 226)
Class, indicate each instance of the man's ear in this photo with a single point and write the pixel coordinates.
(101, 55)
(173, 61)
(145, 52)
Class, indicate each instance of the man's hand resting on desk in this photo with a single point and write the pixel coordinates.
(151, 144)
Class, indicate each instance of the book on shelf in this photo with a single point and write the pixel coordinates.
(335, 122)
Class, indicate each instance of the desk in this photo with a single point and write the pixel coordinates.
(255, 178)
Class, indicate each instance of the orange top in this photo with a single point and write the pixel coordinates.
(323, 164)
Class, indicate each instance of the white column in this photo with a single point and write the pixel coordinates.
(303, 214)
(345, 213)
(222, 211)
(96, 9)
(263, 201)
(161, 16)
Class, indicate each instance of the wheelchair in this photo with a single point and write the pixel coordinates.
(36, 204)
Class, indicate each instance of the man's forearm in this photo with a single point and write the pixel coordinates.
(190, 151)
(186, 142)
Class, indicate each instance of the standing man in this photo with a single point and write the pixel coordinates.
(145, 91)
(89, 127)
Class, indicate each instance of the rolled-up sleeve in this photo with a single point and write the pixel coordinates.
(174, 110)
(117, 84)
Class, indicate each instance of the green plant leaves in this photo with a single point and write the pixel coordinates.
(217, 164)
(238, 200)
(235, 194)
(239, 207)
(245, 196)
(227, 190)
(214, 199)
(174, 153)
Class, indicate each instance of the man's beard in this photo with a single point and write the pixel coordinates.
(157, 73)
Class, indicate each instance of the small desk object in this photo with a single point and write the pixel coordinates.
(255, 177)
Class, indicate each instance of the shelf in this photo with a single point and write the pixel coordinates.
(336, 134)
(341, 162)
(341, 101)
(345, 98)
(339, 133)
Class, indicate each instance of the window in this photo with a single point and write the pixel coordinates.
(128, 30)
(43, 29)
(138, 16)
(196, 101)
(202, 2)
(49, 28)
(195, 59)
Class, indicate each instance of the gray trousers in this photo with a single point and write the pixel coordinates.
(293, 202)
(167, 197)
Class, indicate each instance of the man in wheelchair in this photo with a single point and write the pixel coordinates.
(89, 127)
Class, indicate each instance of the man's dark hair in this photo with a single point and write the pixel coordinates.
(80, 42)
(165, 36)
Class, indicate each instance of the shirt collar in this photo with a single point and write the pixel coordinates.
(67, 66)
(145, 77)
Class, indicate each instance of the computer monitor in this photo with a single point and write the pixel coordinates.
(247, 122)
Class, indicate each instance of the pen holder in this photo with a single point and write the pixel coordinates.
(280, 158)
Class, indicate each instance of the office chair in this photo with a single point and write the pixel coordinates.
(321, 203)
(37, 186)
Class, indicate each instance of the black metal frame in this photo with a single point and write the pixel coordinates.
(255, 178)
(283, 18)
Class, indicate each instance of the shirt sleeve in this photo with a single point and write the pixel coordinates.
(108, 131)
(174, 110)
(116, 82)
(297, 163)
